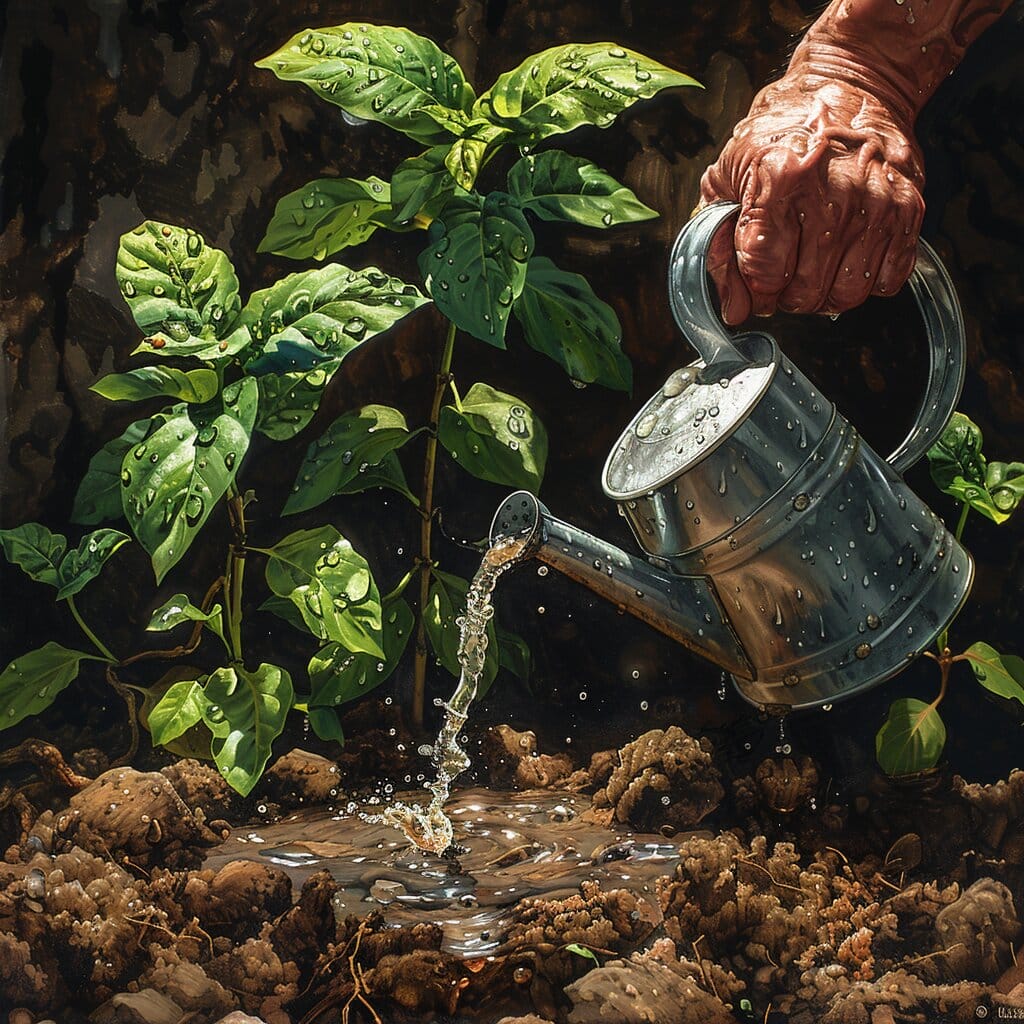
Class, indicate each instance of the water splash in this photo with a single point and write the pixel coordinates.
(429, 827)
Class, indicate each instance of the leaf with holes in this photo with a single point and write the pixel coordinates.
(1002, 674)
(181, 291)
(495, 437)
(29, 684)
(567, 86)
(338, 675)
(344, 451)
(172, 481)
(563, 318)
(325, 216)
(911, 739)
(180, 708)
(36, 550)
(557, 186)
(246, 712)
(377, 73)
(475, 263)
(86, 561)
(447, 601)
(154, 381)
(180, 609)
(331, 586)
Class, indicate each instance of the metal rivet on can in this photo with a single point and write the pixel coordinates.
(873, 621)
(862, 650)
(791, 679)
(801, 501)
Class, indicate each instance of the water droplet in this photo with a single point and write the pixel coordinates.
(646, 426)
(862, 650)
(206, 435)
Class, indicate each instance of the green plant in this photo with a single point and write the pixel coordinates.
(913, 736)
(226, 373)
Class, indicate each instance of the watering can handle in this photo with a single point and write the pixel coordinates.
(694, 312)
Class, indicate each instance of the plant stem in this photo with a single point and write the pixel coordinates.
(441, 382)
(945, 663)
(943, 641)
(99, 645)
(234, 573)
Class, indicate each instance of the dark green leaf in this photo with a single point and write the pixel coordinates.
(377, 73)
(325, 216)
(447, 601)
(583, 951)
(326, 725)
(86, 562)
(99, 493)
(346, 450)
(911, 739)
(288, 401)
(386, 473)
(284, 609)
(180, 708)
(172, 481)
(182, 292)
(1003, 674)
(246, 712)
(557, 186)
(514, 653)
(564, 319)
(564, 87)
(36, 550)
(30, 683)
(1004, 481)
(179, 609)
(420, 184)
(151, 381)
(337, 675)
(495, 437)
(331, 585)
(475, 263)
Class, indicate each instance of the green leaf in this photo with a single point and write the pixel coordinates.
(172, 481)
(30, 683)
(495, 437)
(563, 318)
(1004, 481)
(326, 725)
(325, 216)
(911, 739)
(180, 708)
(557, 186)
(246, 712)
(86, 562)
(288, 401)
(346, 450)
(180, 609)
(464, 161)
(99, 493)
(377, 73)
(181, 291)
(151, 381)
(566, 86)
(284, 609)
(1002, 674)
(338, 675)
(447, 601)
(475, 263)
(36, 550)
(420, 184)
(331, 585)
(386, 473)
(958, 467)
(587, 954)
(514, 653)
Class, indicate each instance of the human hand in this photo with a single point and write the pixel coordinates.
(829, 183)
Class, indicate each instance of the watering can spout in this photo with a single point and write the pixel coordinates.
(684, 608)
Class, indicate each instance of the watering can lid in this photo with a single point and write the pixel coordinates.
(686, 420)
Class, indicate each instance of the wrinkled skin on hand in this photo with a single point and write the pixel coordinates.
(829, 181)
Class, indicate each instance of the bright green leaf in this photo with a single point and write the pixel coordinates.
(1002, 674)
(180, 609)
(447, 601)
(420, 184)
(495, 437)
(958, 467)
(152, 381)
(567, 86)
(30, 683)
(583, 951)
(475, 263)
(338, 675)
(557, 186)
(180, 708)
(464, 161)
(246, 712)
(346, 449)
(172, 481)
(86, 562)
(325, 723)
(331, 585)
(564, 319)
(377, 73)
(911, 739)
(36, 550)
(325, 216)
(1004, 481)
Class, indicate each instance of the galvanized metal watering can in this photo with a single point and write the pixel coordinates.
(778, 543)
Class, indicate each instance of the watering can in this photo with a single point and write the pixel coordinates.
(776, 542)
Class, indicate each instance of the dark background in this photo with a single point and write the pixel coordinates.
(114, 111)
